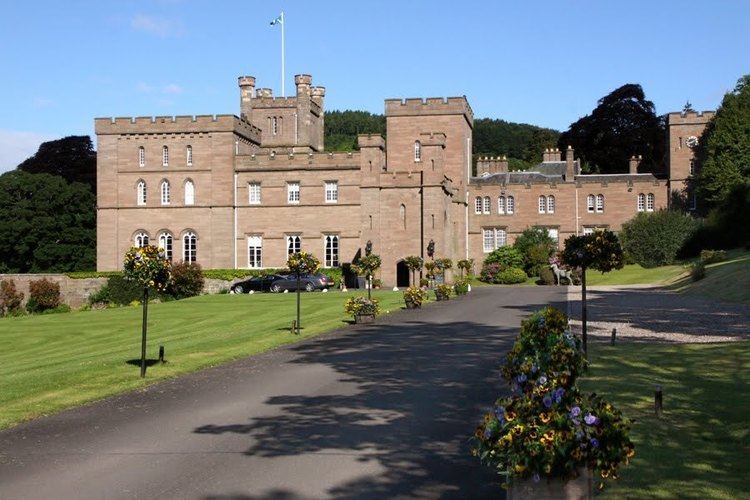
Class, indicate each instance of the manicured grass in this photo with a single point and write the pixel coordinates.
(634, 274)
(699, 448)
(728, 280)
(51, 362)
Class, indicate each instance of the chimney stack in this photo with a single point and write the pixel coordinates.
(570, 165)
(247, 93)
(635, 162)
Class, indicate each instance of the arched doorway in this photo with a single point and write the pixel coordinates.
(402, 274)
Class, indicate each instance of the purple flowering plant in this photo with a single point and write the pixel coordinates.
(548, 428)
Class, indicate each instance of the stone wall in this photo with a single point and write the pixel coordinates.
(73, 292)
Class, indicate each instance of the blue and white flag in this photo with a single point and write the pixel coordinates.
(278, 20)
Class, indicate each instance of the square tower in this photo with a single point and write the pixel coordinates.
(685, 131)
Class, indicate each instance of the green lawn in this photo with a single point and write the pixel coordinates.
(634, 274)
(51, 362)
(700, 447)
(728, 280)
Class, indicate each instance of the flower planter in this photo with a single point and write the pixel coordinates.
(413, 305)
(364, 318)
(440, 298)
(580, 488)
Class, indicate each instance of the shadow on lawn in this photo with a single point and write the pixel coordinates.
(699, 448)
(149, 362)
(422, 387)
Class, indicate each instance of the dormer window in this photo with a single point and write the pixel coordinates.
(417, 151)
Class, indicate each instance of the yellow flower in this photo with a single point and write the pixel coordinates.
(631, 453)
(544, 417)
(519, 468)
(509, 416)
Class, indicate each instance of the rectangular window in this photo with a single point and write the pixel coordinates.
(141, 157)
(293, 245)
(331, 250)
(189, 152)
(254, 252)
(253, 190)
(332, 192)
(493, 238)
(165, 156)
(292, 192)
(588, 230)
(554, 233)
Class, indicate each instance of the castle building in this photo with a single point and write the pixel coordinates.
(247, 191)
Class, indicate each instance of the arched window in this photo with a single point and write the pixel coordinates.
(293, 245)
(641, 202)
(141, 193)
(189, 247)
(417, 151)
(165, 192)
(590, 202)
(511, 205)
(189, 155)
(600, 203)
(487, 208)
(141, 156)
(165, 243)
(189, 192)
(331, 250)
(165, 156)
(140, 239)
(650, 202)
(542, 204)
(478, 205)
(402, 215)
(501, 205)
(550, 204)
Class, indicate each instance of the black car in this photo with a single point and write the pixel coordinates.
(307, 282)
(256, 284)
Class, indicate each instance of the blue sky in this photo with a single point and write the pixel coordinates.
(544, 62)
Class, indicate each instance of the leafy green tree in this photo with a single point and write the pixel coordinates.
(623, 123)
(724, 151)
(46, 224)
(73, 158)
(536, 246)
(654, 239)
(342, 128)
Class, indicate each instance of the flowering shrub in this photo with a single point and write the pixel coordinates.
(10, 298)
(147, 266)
(461, 286)
(43, 295)
(187, 280)
(496, 273)
(443, 292)
(357, 306)
(506, 257)
(303, 263)
(414, 297)
(547, 428)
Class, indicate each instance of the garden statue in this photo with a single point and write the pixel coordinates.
(561, 273)
(368, 247)
(431, 249)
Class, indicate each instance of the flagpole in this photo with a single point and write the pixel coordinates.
(283, 94)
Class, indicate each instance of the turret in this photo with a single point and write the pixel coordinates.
(633, 164)
(247, 93)
(303, 82)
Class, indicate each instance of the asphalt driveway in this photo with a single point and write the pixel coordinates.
(376, 411)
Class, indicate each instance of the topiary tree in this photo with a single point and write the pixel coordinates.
(149, 267)
(443, 265)
(465, 266)
(302, 263)
(367, 266)
(600, 250)
(414, 263)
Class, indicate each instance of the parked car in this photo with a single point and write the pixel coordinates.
(256, 284)
(308, 282)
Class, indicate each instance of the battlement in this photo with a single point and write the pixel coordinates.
(430, 106)
(689, 118)
(371, 141)
(271, 160)
(266, 100)
(176, 124)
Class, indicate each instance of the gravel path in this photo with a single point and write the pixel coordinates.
(647, 313)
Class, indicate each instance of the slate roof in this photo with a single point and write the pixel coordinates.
(554, 172)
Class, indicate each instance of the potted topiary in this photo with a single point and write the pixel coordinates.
(461, 287)
(548, 436)
(414, 297)
(443, 292)
(362, 309)
(432, 268)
